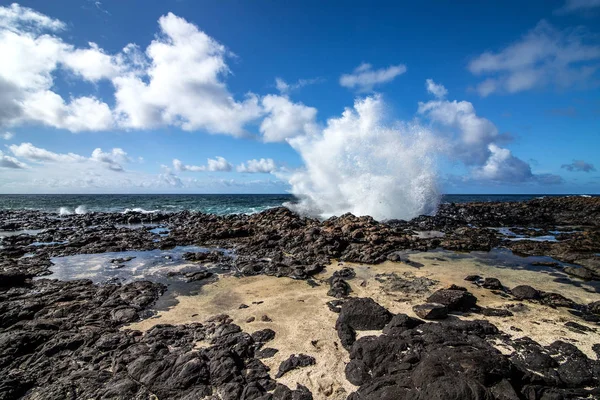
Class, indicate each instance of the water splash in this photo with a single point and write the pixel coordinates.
(360, 164)
(82, 209)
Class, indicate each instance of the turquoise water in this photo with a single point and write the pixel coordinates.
(219, 204)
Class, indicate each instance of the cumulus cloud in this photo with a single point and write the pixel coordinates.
(112, 160)
(178, 80)
(439, 91)
(15, 17)
(264, 165)
(286, 119)
(37, 154)
(502, 166)
(545, 56)
(218, 164)
(471, 134)
(183, 85)
(579, 166)
(364, 77)
(31, 55)
(10, 162)
(573, 6)
(7, 135)
(474, 140)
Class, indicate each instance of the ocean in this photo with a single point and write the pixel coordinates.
(220, 204)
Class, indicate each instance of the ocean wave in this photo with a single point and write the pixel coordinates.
(139, 210)
(82, 209)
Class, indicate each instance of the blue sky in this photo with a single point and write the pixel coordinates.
(249, 97)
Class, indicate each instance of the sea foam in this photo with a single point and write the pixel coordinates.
(360, 163)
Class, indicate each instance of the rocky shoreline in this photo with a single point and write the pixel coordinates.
(65, 339)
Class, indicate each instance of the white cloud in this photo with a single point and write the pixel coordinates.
(364, 78)
(264, 165)
(7, 135)
(502, 166)
(15, 17)
(183, 85)
(543, 57)
(471, 134)
(285, 88)
(10, 162)
(178, 80)
(218, 164)
(112, 160)
(573, 6)
(30, 58)
(93, 64)
(439, 91)
(474, 140)
(286, 119)
(32, 153)
(80, 114)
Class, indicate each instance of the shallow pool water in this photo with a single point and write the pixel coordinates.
(163, 266)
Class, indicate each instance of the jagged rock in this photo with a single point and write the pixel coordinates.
(431, 311)
(455, 300)
(492, 284)
(364, 314)
(294, 362)
(525, 292)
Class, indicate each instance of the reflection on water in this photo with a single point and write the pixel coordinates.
(501, 259)
(510, 235)
(162, 266)
(32, 232)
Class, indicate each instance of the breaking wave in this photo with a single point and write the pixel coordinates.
(360, 164)
(67, 211)
(139, 210)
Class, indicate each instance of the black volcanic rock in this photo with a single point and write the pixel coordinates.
(294, 362)
(525, 292)
(431, 311)
(455, 300)
(364, 314)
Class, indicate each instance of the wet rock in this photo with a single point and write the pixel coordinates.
(492, 284)
(345, 273)
(12, 278)
(454, 300)
(579, 272)
(294, 362)
(594, 307)
(525, 292)
(198, 276)
(556, 300)
(407, 283)
(339, 288)
(431, 311)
